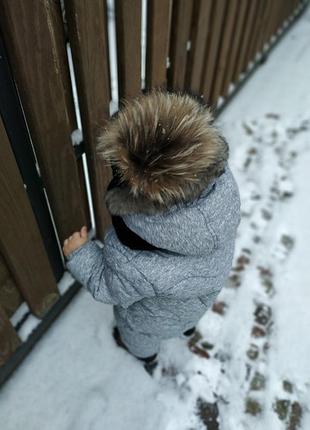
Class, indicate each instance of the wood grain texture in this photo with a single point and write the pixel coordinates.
(128, 35)
(235, 47)
(9, 340)
(256, 30)
(10, 297)
(241, 64)
(87, 28)
(180, 34)
(212, 49)
(227, 40)
(262, 36)
(33, 33)
(158, 23)
(200, 33)
(20, 241)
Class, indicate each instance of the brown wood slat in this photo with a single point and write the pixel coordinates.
(87, 28)
(20, 240)
(292, 7)
(262, 36)
(217, 18)
(237, 39)
(225, 46)
(273, 19)
(286, 11)
(10, 297)
(33, 33)
(180, 35)
(246, 33)
(253, 20)
(199, 39)
(256, 31)
(269, 22)
(157, 43)
(9, 340)
(280, 17)
(128, 34)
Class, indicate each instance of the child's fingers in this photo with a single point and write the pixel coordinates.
(66, 241)
(84, 231)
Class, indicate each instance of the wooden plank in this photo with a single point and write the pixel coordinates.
(180, 35)
(257, 28)
(240, 64)
(10, 297)
(273, 19)
(33, 33)
(87, 30)
(224, 49)
(262, 36)
(212, 49)
(20, 240)
(9, 340)
(158, 21)
(200, 32)
(235, 48)
(269, 21)
(279, 17)
(128, 35)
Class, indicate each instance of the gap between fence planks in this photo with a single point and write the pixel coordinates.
(87, 29)
(34, 36)
(20, 240)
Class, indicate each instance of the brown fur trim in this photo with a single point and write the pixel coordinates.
(165, 149)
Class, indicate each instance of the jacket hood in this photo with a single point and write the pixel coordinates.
(164, 149)
(184, 228)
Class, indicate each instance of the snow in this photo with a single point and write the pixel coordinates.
(257, 335)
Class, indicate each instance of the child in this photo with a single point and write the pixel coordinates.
(175, 210)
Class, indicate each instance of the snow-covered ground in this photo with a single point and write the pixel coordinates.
(248, 363)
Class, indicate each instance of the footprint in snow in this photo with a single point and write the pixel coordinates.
(283, 247)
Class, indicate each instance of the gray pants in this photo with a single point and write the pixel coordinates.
(139, 344)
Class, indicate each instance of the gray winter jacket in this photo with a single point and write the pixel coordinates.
(165, 292)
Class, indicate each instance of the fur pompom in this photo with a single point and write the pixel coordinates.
(164, 147)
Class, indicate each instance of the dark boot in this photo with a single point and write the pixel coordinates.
(189, 332)
(149, 362)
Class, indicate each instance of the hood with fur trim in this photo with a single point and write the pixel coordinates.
(164, 149)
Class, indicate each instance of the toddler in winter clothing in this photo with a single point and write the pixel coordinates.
(175, 210)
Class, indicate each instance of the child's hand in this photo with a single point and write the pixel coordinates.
(75, 241)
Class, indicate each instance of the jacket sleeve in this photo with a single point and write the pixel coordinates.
(87, 265)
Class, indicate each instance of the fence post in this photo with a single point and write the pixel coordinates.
(20, 240)
(9, 341)
(158, 22)
(181, 20)
(128, 35)
(38, 57)
(87, 30)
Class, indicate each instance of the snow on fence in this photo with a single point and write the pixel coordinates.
(200, 46)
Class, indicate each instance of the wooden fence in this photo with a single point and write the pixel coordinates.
(199, 46)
